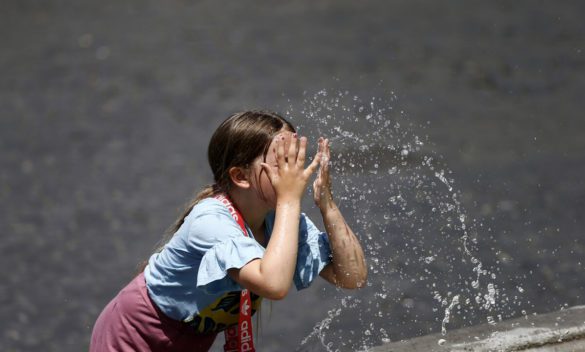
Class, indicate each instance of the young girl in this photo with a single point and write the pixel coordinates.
(242, 238)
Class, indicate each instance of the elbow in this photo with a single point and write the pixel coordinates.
(280, 295)
(362, 278)
(356, 284)
(276, 293)
(359, 281)
(362, 281)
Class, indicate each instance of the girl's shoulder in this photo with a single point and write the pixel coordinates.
(210, 218)
(209, 207)
(208, 204)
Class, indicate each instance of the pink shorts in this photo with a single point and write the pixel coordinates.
(132, 322)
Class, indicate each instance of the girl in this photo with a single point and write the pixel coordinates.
(242, 238)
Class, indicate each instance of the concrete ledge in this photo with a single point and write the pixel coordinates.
(558, 331)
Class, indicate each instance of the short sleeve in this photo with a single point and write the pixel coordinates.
(234, 252)
(217, 244)
(313, 255)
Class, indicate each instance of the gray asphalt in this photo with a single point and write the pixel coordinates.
(106, 109)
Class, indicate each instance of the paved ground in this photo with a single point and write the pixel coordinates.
(106, 108)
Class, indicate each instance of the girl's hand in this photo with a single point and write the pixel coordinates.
(322, 184)
(290, 178)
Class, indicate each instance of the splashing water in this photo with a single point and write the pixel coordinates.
(454, 302)
(402, 202)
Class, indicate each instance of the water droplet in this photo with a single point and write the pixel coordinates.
(491, 320)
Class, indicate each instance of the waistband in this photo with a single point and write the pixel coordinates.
(164, 319)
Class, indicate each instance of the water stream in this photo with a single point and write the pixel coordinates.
(402, 201)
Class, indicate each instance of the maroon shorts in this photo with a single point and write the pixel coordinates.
(132, 322)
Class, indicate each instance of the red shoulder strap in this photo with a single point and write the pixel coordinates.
(239, 338)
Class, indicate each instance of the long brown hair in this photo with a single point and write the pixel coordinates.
(237, 142)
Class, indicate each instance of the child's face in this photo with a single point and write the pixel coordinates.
(261, 182)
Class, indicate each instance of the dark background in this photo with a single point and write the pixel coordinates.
(106, 109)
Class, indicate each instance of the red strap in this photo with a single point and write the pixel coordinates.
(244, 341)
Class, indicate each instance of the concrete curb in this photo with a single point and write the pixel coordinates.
(558, 331)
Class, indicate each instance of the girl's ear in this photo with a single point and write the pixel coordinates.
(239, 177)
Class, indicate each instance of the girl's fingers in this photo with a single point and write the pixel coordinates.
(302, 152)
(323, 156)
(280, 151)
(292, 150)
(325, 163)
(316, 161)
(326, 155)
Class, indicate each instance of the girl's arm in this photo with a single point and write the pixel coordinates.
(348, 267)
(271, 276)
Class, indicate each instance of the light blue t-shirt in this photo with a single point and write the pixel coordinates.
(190, 273)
